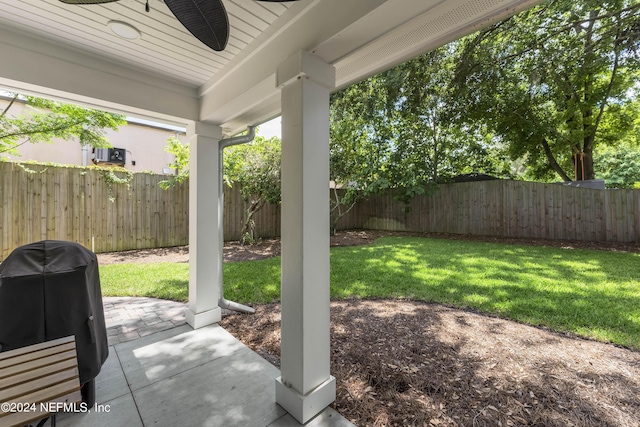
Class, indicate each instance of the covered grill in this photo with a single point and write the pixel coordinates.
(49, 290)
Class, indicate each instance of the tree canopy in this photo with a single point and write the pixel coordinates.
(620, 166)
(255, 167)
(546, 79)
(43, 120)
(180, 163)
(400, 130)
(533, 94)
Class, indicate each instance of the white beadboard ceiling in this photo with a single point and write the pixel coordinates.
(66, 51)
(165, 46)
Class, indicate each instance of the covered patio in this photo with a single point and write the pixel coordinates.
(282, 59)
(182, 376)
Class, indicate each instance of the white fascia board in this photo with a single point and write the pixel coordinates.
(268, 109)
(265, 113)
(246, 103)
(387, 17)
(313, 23)
(441, 24)
(40, 67)
(370, 39)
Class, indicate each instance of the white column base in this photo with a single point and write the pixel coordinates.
(303, 408)
(200, 320)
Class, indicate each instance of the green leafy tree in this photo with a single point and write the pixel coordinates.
(43, 120)
(434, 142)
(359, 149)
(398, 130)
(180, 163)
(622, 126)
(255, 167)
(620, 166)
(618, 155)
(545, 81)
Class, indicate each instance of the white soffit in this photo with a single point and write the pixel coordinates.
(436, 26)
(54, 49)
(165, 47)
(365, 38)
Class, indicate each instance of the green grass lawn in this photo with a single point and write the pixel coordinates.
(591, 293)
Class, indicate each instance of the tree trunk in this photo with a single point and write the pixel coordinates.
(336, 210)
(249, 226)
(552, 161)
(436, 159)
(9, 106)
(584, 161)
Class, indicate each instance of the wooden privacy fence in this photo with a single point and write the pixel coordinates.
(267, 219)
(70, 203)
(508, 209)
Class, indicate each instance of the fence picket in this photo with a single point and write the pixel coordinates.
(72, 204)
(509, 209)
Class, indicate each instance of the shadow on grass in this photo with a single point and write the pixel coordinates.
(253, 281)
(172, 289)
(242, 284)
(591, 293)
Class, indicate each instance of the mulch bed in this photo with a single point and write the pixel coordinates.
(405, 363)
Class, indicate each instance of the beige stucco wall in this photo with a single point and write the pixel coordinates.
(144, 145)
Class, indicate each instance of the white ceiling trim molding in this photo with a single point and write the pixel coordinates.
(444, 23)
(318, 21)
(369, 39)
(43, 68)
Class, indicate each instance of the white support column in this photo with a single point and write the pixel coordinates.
(305, 386)
(203, 307)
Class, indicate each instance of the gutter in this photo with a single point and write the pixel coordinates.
(224, 143)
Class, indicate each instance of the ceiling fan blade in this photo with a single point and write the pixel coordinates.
(87, 1)
(205, 19)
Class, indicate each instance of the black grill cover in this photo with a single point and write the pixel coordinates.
(49, 290)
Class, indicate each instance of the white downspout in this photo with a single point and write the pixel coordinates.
(243, 139)
(85, 155)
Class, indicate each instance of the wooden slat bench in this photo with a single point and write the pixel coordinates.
(44, 373)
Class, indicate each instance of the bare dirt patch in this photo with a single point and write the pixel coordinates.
(406, 363)
(266, 248)
(233, 251)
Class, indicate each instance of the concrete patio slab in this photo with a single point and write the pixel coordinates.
(122, 412)
(181, 376)
(129, 318)
(112, 383)
(167, 353)
(236, 390)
